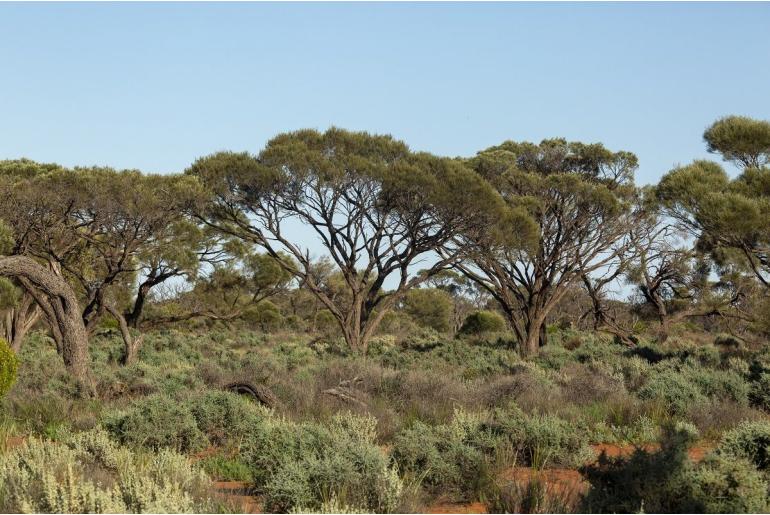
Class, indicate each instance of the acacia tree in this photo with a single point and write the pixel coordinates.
(727, 216)
(580, 197)
(374, 206)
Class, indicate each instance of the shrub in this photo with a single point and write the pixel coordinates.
(8, 367)
(724, 485)
(223, 415)
(304, 464)
(481, 322)
(671, 388)
(449, 458)
(47, 477)
(430, 307)
(750, 440)
(542, 440)
(156, 422)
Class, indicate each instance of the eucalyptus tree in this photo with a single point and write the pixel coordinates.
(59, 303)
(676, 281)
(227, 292)
(105, 232)
(729, 217)
(580, 197)
(375, 207)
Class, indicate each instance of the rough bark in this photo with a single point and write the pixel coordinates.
(131, 344)
(62, 312)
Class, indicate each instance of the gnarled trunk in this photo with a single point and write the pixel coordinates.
(60, 305)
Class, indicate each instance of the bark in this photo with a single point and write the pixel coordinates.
(131, 345)
(62, 312)
(19, 320)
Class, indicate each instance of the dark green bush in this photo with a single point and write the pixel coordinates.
(481, 322)
(430, 307)
(9, 364)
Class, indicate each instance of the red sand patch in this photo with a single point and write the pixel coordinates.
(696, 453)
(236, 494)
(473, 507)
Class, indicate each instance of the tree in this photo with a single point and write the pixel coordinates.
(59, 303)
(18, 313)
(375, 207)
(741, 140)
(104, 231)
(580, 197)
(228, 291)
(674, 280)
(727, 216)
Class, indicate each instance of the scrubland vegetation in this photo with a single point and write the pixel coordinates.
(525, 330)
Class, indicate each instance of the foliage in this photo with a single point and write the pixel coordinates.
(482, 322)
(46, 477)
(304, 465)
(8, 367)
(430, 307)
(156, 422)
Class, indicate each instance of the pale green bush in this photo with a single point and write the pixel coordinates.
(155, 422)
(307, 464)
(88, 473)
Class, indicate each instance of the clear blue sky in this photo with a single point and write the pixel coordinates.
(153, 86)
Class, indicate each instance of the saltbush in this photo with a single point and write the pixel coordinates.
(46, 477)
(302, 464)
(749, 440)
(155, 422)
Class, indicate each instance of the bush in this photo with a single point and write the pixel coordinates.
(672, 389)
(302, 464)
(542, 440)
(450, 459)
(751, 441)
(668, 482)
(481, 322)
(430, 307)
(9, 364)
(224, 415)
(46, 477)
(156, 422)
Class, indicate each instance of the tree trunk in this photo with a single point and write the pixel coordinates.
(64, 312)
(131, 345)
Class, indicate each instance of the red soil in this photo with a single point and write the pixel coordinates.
(474, 507)
(696, 453)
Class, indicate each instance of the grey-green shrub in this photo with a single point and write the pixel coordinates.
(156, 422)
(47, 477)
(224, 415)
(449, 458)
(306, 464)
(749, 440)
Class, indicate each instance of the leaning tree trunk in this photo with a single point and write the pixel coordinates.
(63, 313)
